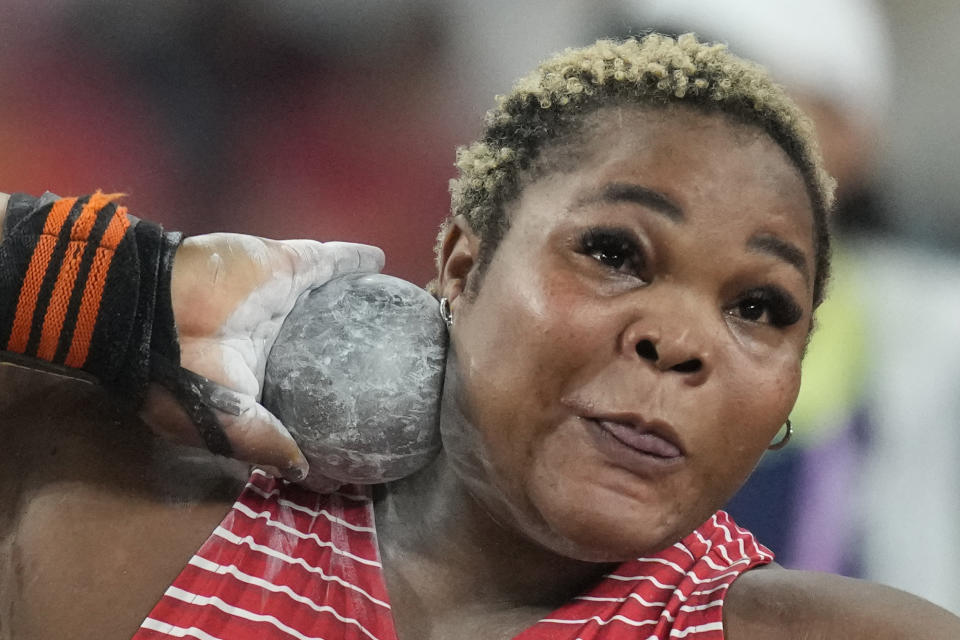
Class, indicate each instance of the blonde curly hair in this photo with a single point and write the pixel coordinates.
(548, 105)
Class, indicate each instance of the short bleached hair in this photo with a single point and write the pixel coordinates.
(549, 105)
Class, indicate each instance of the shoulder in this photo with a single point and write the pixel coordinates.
(682, 589)
(775, 602)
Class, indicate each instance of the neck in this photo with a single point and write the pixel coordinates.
(441, 544)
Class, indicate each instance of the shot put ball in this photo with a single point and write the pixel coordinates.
(356, 375)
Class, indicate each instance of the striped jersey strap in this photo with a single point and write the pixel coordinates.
(84, 285)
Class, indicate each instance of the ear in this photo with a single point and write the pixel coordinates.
(458, 257)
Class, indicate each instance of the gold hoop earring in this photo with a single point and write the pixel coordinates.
(782, 442)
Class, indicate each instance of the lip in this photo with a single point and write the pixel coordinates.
(637, 445)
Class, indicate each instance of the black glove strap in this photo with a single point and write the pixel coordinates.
(199, 396)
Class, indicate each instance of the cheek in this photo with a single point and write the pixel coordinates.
(756, 399)
(520, 347)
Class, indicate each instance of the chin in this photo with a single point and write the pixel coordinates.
(608, 530)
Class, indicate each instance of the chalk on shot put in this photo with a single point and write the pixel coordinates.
(356, 375)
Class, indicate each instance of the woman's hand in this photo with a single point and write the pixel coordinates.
(231, 294)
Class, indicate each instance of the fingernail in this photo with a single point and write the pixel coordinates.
(296, 474)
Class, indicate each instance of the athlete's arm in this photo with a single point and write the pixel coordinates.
(773, 602)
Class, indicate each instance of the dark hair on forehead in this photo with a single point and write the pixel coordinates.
(550, 104)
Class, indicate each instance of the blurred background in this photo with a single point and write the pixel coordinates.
(337, 119)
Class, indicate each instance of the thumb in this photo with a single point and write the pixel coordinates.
(248, 431)
(255, 435)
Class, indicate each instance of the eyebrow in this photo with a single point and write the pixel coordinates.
(779, 248)
(617, 192)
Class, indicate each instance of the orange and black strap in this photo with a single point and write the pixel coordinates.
(85, 285)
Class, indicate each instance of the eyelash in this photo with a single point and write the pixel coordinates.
(617, 249)
(780, 307)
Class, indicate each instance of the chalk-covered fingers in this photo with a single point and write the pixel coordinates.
(297, 266)
(198, 412)
(231, 293)
(343, 257)
(233, 287)
(313, 263)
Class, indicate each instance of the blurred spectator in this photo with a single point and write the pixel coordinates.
(877, 417)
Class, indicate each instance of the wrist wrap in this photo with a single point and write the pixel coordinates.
(84, 285)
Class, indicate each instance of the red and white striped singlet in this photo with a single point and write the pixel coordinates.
(287, 564)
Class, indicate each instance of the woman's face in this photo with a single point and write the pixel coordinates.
(636, 340)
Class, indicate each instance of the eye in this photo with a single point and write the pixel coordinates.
(767, 305)
(618, 249)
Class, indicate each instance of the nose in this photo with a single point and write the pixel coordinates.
(674, 349)
(647, 350)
